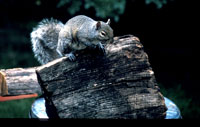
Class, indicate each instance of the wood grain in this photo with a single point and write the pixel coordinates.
(120, 84)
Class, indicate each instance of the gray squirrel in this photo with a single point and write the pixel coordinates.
(51, 39)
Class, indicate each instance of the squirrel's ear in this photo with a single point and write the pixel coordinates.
(98, 25)
(108, 22)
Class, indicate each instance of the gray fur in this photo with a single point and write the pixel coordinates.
(51, 39)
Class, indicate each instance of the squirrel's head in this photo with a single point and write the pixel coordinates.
(104, 31)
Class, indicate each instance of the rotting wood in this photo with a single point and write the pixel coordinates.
(118, 85)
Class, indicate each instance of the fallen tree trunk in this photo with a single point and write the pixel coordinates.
(118, 85)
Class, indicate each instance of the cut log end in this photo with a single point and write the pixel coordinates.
(3, 85)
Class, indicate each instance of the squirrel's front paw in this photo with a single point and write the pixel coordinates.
(101, 48)
(71, 56)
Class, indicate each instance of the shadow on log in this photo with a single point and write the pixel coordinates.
(120, 84)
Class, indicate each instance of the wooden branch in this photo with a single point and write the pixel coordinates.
(18, 81)
(118, 85)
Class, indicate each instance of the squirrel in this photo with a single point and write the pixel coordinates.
(51, 39)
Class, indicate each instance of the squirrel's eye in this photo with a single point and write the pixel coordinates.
(103, 33)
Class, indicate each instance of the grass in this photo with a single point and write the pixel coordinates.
(16, 108)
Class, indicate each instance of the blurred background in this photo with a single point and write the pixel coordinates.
(167, 29)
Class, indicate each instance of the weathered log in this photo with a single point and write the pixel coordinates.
(19, 81)
(120, 84)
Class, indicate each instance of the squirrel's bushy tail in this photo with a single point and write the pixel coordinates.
(44, 39)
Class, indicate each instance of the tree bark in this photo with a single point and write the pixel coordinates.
(120, 84)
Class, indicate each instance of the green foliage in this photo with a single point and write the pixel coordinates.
(158, 3)
(16, 49)
(105, 8)
(74, 5)
(38, 2)
(12, 58)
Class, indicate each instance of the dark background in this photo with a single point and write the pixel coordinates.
(169, 35)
